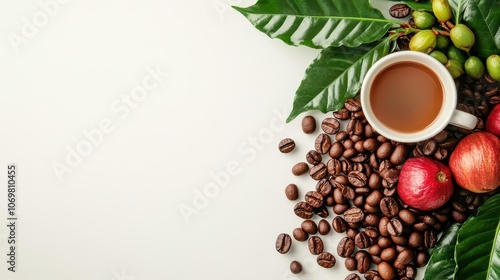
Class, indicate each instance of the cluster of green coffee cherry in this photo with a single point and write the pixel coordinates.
(434, 38)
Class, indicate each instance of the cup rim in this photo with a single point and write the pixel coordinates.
(449, 96)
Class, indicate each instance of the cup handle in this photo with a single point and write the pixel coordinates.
(463, 120)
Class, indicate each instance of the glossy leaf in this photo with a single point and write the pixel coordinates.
(483, 18)
(319, 24)
(335, 75)
(421, 5)
(458, 8)
(477, 252)
(442, 262)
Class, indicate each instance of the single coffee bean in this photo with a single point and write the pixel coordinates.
(357, 178)
(403, 259)
(441, 154)
(388, 254)
(347, 192)
(421, 226)
(350, 263)
(370, 132)
(400, 240)
(299, 234)
(339, 224)
(324, 187)
(370, 209)
(330, 125)
(352, 276)
(323, 227)
(407, 217)
(326, 260)
(382, 227)
(372, 220)
(328, 201)
(399, 154)
(395, 227)
(358, 146)
(429, 239)
(355, 138)
(342, 114)
(371, 232)
(430, 147)
(374, 250)
(295, 267)
(334, 167)
(300, 168)
(348, 144)
(336, 150)
(341, 136)
(370, 144)
(372, 275)
(322, 143)
(309, 226)
(375, 181)
(360, 115)
(350, 126)
(358, 128)
(313, 198)
(399, 11)
(389, 207)
(364, 262)
(313, 157)
(374, 161)
(318, 171)
(421, 258)
(385, 150)
(345, 247)
(283, 243)
(374, 198)
(346, 166)
(415, 240)
(362, 191)
(458, 217)
(322, 211)
(292, 192)
(286, 145)
(315, 245)
(308, 124)
(386, 270)
(361, 240)
(459, 206)
(342, 179)
(340, 209)
(337, 193)
(449, 143)
(354, 215)
(376, 260)
(303, 210)
(384, 242)
(359, 201)
(352, 231)
(349, 153)
(428, 219)
(352, 105)
(391, 175)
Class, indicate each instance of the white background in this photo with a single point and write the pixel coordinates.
(116, 215)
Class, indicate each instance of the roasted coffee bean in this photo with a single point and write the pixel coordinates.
(384, 242)
(399, 11)
(359, 201)
(407, 217)
(299, 234)
(308, 124)
(340, 209)
(350, 263)
(399, 154)
(370, 209)
(428, 219)
(345, 247)
(441, 218)
(300, 168)
(342, 114)
(371, 232)
(369, 131)
(295, 267)
(411, 271)
(358, 146)
(313, 198)
(348, 144)
(382, 227)
(328, 201)
(421, 226)
(352, 231)
(357, 178)
(292, 192)
(399, 240)
(389, 207)
(388, 254)
(346, 166)
(370, 144)
(494, 100)
(374, 250)
(403, 259)
(430, 147)
(322, 211)
(361, 240)
(323, 227)
(362, 191)
(330, 125)
(395, 227)
(337, 193)
(352, 105)
(386, 270)
(459, 206)
(326, 260)
(374, 161)
(358, 128)
(374, 198)
(283, 243)
(375, 181)
(322, 143)
(389, 192)
(421, 258)
(303, 210)
(341, 136)
(334, 167)
(415, 240)
(313, 157)
(336, 150)
(315, 245)
(324, 187)
(364, 262)
(429, 239)
(318, 171)
(391, 175)
(372, 275)
(349, 153)
(309, 226)
(354, 215)
(342, 179)
(339, 224)
(286, 145)
(450, 143)
(458, 217)
(385, 150)
(352, 276)
(347, 192)
(350, 126)
(372, 220)
(360, 115)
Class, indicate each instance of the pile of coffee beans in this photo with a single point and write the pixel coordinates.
(356, 173)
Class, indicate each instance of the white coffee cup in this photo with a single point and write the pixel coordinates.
(447, 114)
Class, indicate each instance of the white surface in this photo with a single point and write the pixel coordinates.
(116, 215)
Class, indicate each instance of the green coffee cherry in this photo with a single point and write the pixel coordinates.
(442, 42)
(454, 53)
(423, 20)
(440, 56)
(424, 41)
(462, 37)
(454, 68)
(441, 9)
(474, 67)
(493, 66)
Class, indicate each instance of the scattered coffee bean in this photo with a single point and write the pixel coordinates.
(388, 254)
(326, 260)
(313, 157)
(299, 234)
(318, 171)
(364, 261)
(315, 245)
(314, 198)
(283, 243)
(403, 258)
(345, 247)
(350, 263)
(286, 145)
(399, 10)
(300, 168)
(295, 267)
(421, 258)
(386, 270)
(357, 178)
(395, 227)
(303, 210)
(308, 124)
(415, 240)
(389, 207)
(339, 224)
(354, 215)
(429, 239)
(342, 114)
(352, 276)
(292, 192)
(407, 217)
(324, 187)
(309, 226)
(323, 227)
(330, 125)
(322, 143)
(385, 150)
(361, 240)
